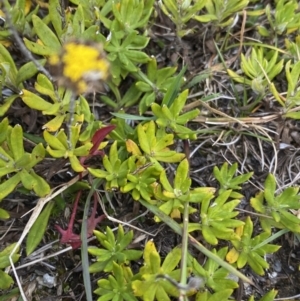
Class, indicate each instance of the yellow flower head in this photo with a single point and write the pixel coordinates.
(81, 66)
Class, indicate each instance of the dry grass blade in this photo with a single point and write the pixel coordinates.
(244, 121)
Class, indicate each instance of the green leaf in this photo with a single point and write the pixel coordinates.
(6, 105)
(9, 185)
(4, 129)
(38, 49)
(102, 254)
(256, 267)
(209, 235)
(242, 260)
(257, 202)
(41, 187)
(270, 186)
(46, 35)
(99, 173)
(4, 214)
(142, 86)
(6, 57)
(8, 78)
(27, 180)
(125, 240)
(133, 255)
(137, 56)
(78, 22)
(169, 6)
(205, 18)
(35, 102)
(55, 13)
(181, 174)
(143, 139)
(5, 158)
(222, 295)
(173, 89)
(172, 260)
(44, 82)
(146, 102)
(110, 235)
(54, 142)
(269, 296)
(179, 103)
(28, 70)
(98, 266)
(5, 281)
(6, 253)
(16, 142)
(38, 229)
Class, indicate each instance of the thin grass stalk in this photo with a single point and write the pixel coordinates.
(184, 250)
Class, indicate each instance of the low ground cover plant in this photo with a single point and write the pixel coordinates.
(102, 101)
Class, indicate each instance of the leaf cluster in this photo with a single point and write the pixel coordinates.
(283, 20)
(18, 164)
(217, 218)
(278, 210)
(251, 250)
(5, 280)
(259, 69)
(114, 250)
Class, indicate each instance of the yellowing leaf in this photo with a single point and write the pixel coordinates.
(149, 248)
(54, 124)
(175, 214)
(76, 164)
(56, 153)
(132, 147)
(27, 6)
(232, 255)
(239, 231)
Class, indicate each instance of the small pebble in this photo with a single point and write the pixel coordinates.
(47, 280)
